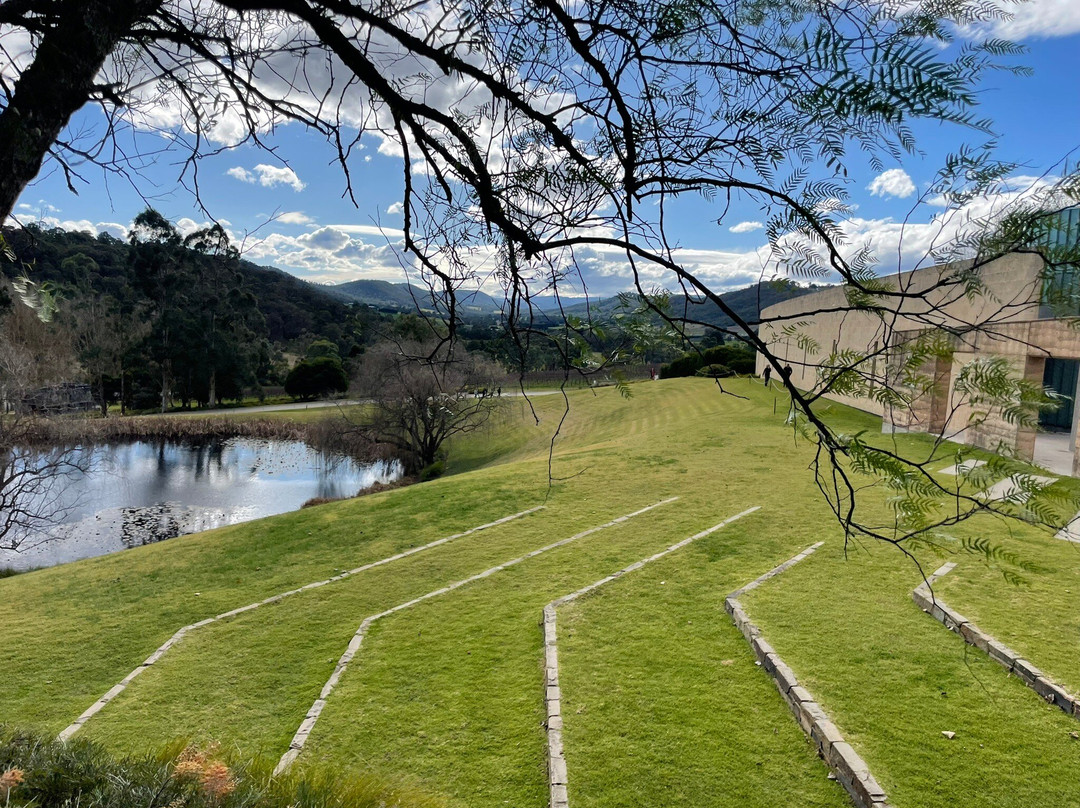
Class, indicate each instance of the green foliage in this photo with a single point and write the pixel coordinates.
(44, 297)
(644, 331)
(52, 774)
(432, 471)
(715, 372)
(321, 376)
(322, 349)
(990, 384)
(734, 357)
(292, 309)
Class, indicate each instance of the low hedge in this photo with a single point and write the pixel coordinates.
(736, 357)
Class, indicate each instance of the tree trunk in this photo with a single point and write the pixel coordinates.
(58, 82)
(104, 401)
(166, 390)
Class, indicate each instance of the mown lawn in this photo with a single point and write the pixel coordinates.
(663, 702)
(1040, 617)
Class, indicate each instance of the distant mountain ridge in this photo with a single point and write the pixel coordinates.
(406, 297)
(294, 307)
(746, 303)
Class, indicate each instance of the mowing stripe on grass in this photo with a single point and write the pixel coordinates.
(302, 733)
(850, 769)
(557, 776)
(1002, 654)
(119, 688)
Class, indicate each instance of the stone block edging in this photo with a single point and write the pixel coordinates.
(296, 746)
(557, 774)
(1071, 531)
(850, 769)
(119, 688)
(1002, 654)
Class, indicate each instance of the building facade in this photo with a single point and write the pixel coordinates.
(1007, 318)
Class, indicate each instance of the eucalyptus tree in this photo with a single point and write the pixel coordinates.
(542, 136)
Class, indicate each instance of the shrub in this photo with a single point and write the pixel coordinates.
(436, 469)
(736, 357)
(685, 365)
(316, 377)
(311, 503)
(715, 371)
(42, 772)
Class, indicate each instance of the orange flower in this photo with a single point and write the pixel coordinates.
(216, 781)
(187, 768)
(11, 778)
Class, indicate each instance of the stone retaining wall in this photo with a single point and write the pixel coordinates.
(850, 769)
(1009, 659)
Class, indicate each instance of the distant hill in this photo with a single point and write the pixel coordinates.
(405, 297)
(292, 307)
(746, 303)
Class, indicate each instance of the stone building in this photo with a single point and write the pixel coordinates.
(1007, 319)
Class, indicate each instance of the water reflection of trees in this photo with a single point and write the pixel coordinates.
(33, 486)
(137, 490)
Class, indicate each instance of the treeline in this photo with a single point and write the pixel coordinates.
(163, 318)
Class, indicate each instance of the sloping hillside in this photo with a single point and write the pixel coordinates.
(662, 700)
(405, 297)
(291, 306)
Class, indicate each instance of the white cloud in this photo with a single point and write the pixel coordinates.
(325, 238)
(116, 229)
(1032, 20)
(395, 209)
(894, 182)
(329, 255)
(81, 226)
(185, 226)
(241, 174)
(746, 227)
(369, 230)
(268, 176)
(295, 217)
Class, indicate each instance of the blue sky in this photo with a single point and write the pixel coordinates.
(319, 235)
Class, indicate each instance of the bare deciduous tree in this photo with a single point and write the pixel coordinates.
(32, 475)
(423, 395)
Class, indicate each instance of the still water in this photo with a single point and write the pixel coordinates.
(138, 493)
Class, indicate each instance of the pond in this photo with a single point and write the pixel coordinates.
(138, 493)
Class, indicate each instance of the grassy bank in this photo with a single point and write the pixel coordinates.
(664, 704)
